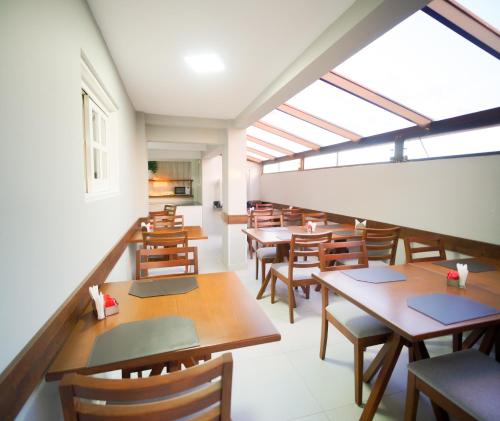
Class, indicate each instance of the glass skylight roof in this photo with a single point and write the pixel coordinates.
(346, 110)
(302, 129)
(275, 140)
(264, 149)
(429, 68)
(487, 10)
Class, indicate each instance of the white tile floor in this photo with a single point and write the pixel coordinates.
(287, 380)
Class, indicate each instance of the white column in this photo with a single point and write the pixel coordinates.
(234, 197)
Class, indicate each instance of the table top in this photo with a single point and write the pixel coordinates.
(267, 237)
(387, 301)
(194, 233)
(225, 315)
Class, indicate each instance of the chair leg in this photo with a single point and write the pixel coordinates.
(358, 374)
(324, 335)
(412, 396)
(291, 302)
(256, 267)
(273, 288)
(263, 270)
(457, 342)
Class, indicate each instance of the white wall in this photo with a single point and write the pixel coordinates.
(459, 197)
(211, 190)
(51, 237)
(253, 181)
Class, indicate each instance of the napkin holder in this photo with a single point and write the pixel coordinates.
(109, 310)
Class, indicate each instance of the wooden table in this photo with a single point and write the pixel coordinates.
(225, 315)
(268, 238)
(387, 303)
(193, 232)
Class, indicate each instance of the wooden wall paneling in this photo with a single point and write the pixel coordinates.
(27, 370)
(457, 244)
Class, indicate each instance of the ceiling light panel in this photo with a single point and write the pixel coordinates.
(205, 63)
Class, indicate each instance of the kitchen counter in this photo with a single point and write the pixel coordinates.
(191, 210)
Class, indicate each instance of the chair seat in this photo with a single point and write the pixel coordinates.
(469, 379)
(299, 274)
(357, 321)
(266, 253)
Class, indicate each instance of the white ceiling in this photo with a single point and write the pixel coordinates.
(257, 40)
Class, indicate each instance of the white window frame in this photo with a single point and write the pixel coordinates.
(97, 100)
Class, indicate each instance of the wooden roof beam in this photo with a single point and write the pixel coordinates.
(366, 94)
(318, 122)
(253, 159)
(257, 152)
(269, 145)
(286, 135)
(454, 15)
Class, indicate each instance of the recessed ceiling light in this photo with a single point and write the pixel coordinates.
(205, 63)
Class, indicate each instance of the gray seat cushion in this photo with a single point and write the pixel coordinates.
(371, 263)
(357, 321)
(299, 274)
(266, 252)
(469, 379)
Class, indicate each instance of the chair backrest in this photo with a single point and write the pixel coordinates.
(306, 246)
(381, 243)
(318, 217)
(170, 209)
(166, 258)
(292, 217)
(258, 212)
(168, 221)
(342, 249)
(172, 396)
(416, 245)
(263, 206)
(260, 221)
(174, 238)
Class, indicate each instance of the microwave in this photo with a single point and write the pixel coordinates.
(182, 190)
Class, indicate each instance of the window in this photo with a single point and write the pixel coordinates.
(459, 143)
(321, 161)
(290, 165)
(367, 155)
(96, 147)
(101, 172)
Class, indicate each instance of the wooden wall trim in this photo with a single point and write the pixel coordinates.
(28, 368)
(457, 244)
(234, 219)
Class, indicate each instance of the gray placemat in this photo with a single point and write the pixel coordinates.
(375, 275)
(167, 286)
(344, 233)
(329, 225)
(142, 338)
(473, 265)
(448, 309)
(274, 229)
(284, 236)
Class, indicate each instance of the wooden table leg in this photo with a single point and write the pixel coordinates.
(488, 340)
(394, 349)
(473, 337)
(376, 363)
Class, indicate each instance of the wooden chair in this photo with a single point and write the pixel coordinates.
(265, 254)
(298, 273)
(170, 397)
(356, 325)
(250, 225)
(292, 217)
(174, 238)
(174, 257)
(381, 243)
(465, 384)
(168, 221)
(416, 245)
(266, 206)
(318, 217)
(170, 209)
